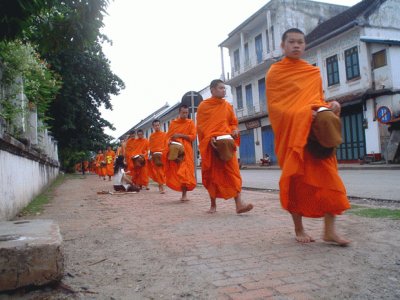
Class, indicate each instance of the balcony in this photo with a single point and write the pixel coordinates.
(251, 112)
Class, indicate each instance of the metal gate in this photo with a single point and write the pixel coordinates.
(246, 149)
(353, 146)
(268, 143)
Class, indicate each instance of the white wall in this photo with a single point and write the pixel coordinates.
(21, 179)
(372, 140)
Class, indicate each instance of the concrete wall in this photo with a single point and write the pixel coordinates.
(24, 173)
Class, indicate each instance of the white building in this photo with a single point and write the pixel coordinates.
(253, 46)
(358, 52)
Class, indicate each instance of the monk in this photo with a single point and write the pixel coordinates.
(180, 174)
(158, 146)
(310, 186)
(110, 158)
(140, 146)
(128, 147)
(101, 165)
(221, 178)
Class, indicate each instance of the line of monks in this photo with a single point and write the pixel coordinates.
(309, 186)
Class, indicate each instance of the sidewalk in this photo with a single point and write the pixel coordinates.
(152, 246)
(341, 166)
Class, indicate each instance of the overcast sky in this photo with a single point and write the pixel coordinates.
(163, 48)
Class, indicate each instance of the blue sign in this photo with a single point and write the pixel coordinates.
(384, 114)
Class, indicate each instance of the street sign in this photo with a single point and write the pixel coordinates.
(192, 96)
(384, 114)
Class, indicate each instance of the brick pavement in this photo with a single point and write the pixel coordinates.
(179, 251)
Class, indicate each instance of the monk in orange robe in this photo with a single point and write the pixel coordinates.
(129, 149)
(215, 117)
(110, 158)
(140, 146)
(101, 165)
(309, 186)
(180, 175)
(158, 143)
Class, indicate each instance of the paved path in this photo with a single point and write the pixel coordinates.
(151, 246)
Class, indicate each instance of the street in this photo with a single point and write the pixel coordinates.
(361, 183)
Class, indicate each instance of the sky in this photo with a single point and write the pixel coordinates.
(162, 49)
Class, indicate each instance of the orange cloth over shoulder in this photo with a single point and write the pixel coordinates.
(215, 117)
(158, 143)
(101, 170)
(140, 176)
(308, 186)
(110, 158)
(182, 174)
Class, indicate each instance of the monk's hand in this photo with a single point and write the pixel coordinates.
(335, 107)
(212, 142)
(235, 134)
(314, 114)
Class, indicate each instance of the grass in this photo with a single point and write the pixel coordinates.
(36, 205)
(368, 212)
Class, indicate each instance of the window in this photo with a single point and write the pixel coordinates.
(261, 94)
(267, 40)
(332, 69)
(236, 60)
(379, 59)
(249, 98)
(259, 48)
(246, 55)
(352, 65)
(165, 127)
(239, 97)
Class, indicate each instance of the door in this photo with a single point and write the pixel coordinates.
(353, 146)
(246, 149)
(268, 143)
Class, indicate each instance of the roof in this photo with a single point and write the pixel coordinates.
(355, 15)
(377, 40)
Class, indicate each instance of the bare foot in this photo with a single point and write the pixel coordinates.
(212, 210)
(244, 208)
(184, 199)
(334, 238)
(162, 192)
(303, 237)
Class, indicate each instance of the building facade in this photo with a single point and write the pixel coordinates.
(358, 53)
(253, 46)
(356, 48)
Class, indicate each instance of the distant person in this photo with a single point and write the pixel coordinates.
(110, 158)
(158, 152)
(310, 185)
(101, 165)
(218, 133)
(179, 169)
(139, 156)
(122, 181)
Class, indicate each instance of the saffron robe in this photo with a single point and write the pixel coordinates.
(110, 158)
(158, 143)
(222, 179)
(140, 176)
(129, 149)
(101, 169)
(181, 174)
(309, 186)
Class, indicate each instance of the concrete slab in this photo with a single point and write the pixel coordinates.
(30, 253)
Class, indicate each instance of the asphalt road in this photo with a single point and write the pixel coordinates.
(360, 183)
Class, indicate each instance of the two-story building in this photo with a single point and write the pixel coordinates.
(253, 46)
(358, 52)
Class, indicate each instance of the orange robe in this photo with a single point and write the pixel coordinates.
(110, 158)
(101, 170)
(129, 149)
(215, 117)
(309, 186)
(158, 143)
(140, 175)
(182, 174)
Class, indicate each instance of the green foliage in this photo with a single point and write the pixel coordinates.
(375, 212)
(36, 205)
(67, 35)
(23, 69)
